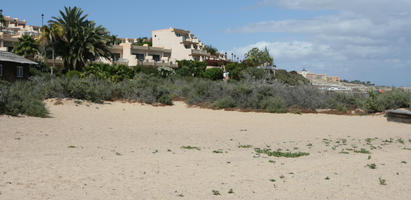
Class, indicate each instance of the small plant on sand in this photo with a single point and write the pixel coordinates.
(118, 154)
(245, 146)
(369, 157)
(327, 178)
(218, 151)
(362, 150)
(216, 192)
(404, 162)
(282, 176)
(344, 152)
(271, 161)
(309, 145)
(382, 181)
(71, 147)
(409, 140)
(272, 180)
(191, 148)
(277, 153)
(400, 140)
(230, 191)
(372, 166)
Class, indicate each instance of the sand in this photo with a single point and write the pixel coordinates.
(132, 151)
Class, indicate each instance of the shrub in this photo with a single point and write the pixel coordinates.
(213, 74)
(225, 102)
(165, 72)
(73, 73)
(21, 98)
(191, 68)
(274, 105)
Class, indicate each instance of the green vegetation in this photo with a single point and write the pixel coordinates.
(218, 151)
(141, 41)
(191, 148)
(245, 146)
(216, 192)
(256, 57)
(278, 153)
(26, 47)
(327, 178)
(213, 74)
(372, 166)
(230, 191)
(210, 49)
(82, 40)
(382, 181)
(362, 150)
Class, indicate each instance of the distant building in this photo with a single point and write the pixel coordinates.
(12, 30)
(319, 78)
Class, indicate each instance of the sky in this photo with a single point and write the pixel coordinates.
(368, 40)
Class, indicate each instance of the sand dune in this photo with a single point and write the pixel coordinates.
(132, 151)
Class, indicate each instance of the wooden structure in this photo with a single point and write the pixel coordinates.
(14, 67)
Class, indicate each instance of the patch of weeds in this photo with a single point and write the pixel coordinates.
(368, 140)
(191, 148)
(230, 191)
(407, 148)
(180, 195)
(216, 192)
(272, 180)
(156, 151)
(71, 147)
(295, 148)
(168, 150)
(369, 157)
(327, 178)
(268, 152)
(372, 166)
(382, 181)
(218, 151)
(271, 161)
(344, 152)
(118, 154)
(282, 176)
(247, 146)
(362, 150)
(389, 141)
(409, 140)
(309, 145)
(404, 162)
(243, 130)
(400, 140)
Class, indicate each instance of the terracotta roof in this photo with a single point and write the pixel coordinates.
(11, 57)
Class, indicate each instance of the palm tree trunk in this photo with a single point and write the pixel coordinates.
(54, 60)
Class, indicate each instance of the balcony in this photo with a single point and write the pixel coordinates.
(199, 52)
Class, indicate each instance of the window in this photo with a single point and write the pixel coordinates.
(1, 70)
(20, 72)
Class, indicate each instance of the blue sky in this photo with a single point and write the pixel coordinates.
(348, 38)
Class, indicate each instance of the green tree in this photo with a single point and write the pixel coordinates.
(256, 57)
(210, 49)
(143, 40)
(49, 36)
(26, 46)
(83, 41)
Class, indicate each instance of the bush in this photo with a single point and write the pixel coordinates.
(274, 105)
(191, 68)
(165, 72)
(213, 74)
(114, 73)
(73, 73)
(21, 98)
(225, 102)
(394, 99)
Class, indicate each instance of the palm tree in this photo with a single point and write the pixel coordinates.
(26, 46)
(49, 35)
(2, 20)
(82, 40)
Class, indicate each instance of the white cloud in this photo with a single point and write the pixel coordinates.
(360, 36)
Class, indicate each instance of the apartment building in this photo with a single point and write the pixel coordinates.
(319, 78)
(168, 46)
(14, 28)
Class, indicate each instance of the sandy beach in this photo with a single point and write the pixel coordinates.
(132, 151)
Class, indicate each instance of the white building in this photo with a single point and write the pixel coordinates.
(14, 28)
(169, 46)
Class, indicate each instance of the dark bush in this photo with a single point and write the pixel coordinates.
(213, 74)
